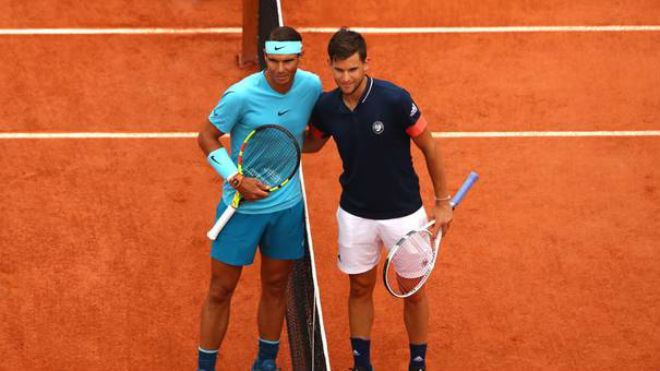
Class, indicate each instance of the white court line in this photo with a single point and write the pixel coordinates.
(371, 30)
(541, 134)
(120, 31)
(509, 29)
(90, 135)
(447, 134)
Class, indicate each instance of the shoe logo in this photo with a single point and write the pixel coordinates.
(280, 113)
(279, 47)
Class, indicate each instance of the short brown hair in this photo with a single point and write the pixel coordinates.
(345, 43)
(284, 33)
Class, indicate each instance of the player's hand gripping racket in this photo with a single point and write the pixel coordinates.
(410, 261)
(270, 154)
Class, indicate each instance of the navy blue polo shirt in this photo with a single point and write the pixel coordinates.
(373, 140)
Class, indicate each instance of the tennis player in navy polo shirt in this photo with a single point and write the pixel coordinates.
(373, 122)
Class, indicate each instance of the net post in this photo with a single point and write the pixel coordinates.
(248, 55)
(270, 17)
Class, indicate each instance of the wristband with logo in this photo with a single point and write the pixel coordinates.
(222, 163)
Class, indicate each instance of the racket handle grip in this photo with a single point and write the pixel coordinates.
(465, 187)
(213, 233)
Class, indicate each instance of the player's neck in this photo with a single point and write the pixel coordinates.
(351, 100)
(280, 88)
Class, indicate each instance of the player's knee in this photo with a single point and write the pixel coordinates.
(417, 298)
(361, 289)
(275, 285)
(220, 292)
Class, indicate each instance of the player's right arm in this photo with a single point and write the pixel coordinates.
(222, 119)
(209, 141)
(313, 140)
(208, 138)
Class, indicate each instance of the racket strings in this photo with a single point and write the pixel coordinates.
(411, 263)
(414, 256)
(271, 156)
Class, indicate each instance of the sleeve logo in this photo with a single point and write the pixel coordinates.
(413, 110)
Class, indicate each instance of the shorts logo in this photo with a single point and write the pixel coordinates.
(378, 127)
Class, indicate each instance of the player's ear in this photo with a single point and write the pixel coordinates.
(366, 64)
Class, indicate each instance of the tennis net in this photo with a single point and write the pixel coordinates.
(304, 316)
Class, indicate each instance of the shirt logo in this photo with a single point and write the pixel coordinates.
(280, 113)
(378, 127)
(413, 110)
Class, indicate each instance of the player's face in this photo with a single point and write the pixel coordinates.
(349, 73)
(281, 68)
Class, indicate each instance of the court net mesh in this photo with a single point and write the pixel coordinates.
(304, 315)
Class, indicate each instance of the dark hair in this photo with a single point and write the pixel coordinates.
(344, 43)
(284, 33)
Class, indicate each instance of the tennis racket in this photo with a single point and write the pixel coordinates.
(269, 153)
(410, 261)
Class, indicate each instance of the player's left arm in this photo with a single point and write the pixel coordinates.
(442, 209)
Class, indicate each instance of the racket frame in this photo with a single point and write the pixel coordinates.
(213, 233)
(398, 245)
(454, 202)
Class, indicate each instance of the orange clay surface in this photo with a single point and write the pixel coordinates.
(550, 264)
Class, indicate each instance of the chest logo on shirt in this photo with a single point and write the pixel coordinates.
(282, 112)
(378, 127)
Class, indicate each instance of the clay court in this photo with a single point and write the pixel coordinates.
(551, 262)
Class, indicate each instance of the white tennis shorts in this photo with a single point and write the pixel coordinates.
(360, 239)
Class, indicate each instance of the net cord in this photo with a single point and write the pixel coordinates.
(317, 292)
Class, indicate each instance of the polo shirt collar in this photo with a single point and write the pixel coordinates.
(366, 94)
